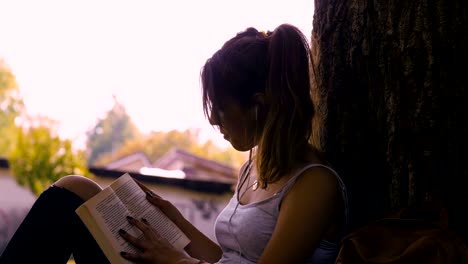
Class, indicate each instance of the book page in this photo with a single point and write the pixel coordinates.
(139, 207)
(106, 213)
(110, 214)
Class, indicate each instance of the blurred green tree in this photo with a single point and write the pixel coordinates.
(110, 133)
(11, 107)
(41, 157)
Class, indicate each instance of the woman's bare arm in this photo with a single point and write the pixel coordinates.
(305, 215)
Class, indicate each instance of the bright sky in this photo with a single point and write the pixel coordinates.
(70, 57)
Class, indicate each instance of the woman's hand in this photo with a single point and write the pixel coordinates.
(165, 206)
(200, 247)
(154, 248)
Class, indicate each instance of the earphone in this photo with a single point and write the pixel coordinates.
(256, 113)
(245, 172)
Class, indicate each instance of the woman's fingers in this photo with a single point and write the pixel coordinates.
(143, 187)
(132, 257)
(146, 189)
(162, 204)
(152, 245)
(152, 196)
(145, 228)
(132, 240)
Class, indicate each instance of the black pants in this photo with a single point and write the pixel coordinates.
(51, 232)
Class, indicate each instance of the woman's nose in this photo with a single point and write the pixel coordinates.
(214, 118)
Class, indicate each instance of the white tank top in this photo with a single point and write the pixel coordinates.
(243, 231)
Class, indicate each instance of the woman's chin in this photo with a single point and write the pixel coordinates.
(239, 147)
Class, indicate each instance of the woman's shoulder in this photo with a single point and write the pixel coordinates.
(313, 170)
(315, 196)
(316, 176)
(317, 172)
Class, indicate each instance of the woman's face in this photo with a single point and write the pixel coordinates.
(238, 125)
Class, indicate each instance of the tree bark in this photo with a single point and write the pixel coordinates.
(389, 82)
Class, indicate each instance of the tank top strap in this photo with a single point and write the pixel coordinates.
(344, 193)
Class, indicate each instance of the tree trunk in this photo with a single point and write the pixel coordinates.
(389, 86)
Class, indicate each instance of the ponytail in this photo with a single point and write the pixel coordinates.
(287, 127)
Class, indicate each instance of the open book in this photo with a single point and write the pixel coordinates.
(105, 213)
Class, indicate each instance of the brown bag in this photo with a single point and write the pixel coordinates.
(402, 241)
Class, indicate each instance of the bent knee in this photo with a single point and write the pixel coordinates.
(84, 187)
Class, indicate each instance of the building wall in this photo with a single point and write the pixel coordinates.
(15, 202)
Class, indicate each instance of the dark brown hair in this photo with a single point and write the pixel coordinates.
(275, 64)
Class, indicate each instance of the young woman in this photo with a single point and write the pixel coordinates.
(288, 206)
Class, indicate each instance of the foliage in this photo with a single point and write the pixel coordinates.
(11, 107)
(41, 157)
(110, 133)
(156, 144)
